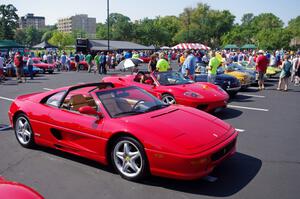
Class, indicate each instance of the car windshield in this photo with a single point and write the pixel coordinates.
(171, 78)
(120, 102)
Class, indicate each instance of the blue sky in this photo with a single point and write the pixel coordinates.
(138, 9)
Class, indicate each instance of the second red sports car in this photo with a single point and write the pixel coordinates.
(126, 127)
(175, 89)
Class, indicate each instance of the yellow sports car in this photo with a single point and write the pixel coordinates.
(272, 71)
(244, 78)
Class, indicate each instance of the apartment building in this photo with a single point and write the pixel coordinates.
(78, 22)
(30, 20)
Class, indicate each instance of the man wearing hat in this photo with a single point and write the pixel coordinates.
(261, 67)
(189, 65)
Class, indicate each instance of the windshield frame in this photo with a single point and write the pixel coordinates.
(167, 72)
(99, 92)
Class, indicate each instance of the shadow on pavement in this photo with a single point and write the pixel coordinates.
(241, 98)
(228, 113)
(75, 158)
(233, 175)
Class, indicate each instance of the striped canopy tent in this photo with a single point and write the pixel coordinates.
(190, 46)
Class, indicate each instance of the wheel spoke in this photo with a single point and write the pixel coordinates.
(125, 166)
(120, 155)
(134, 167)
(126, 149)
(25, 125)
(27, 133)
(20, 124)
(134, 155)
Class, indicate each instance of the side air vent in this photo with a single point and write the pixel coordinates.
(56, 133)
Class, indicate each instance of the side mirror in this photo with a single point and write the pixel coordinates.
(90, 111)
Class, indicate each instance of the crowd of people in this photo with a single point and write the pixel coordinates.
(187, 60)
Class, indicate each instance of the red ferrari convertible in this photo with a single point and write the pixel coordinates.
(15, 190)
(175, 89)
(126, 127)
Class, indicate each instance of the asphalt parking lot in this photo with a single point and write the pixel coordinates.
(266, 165)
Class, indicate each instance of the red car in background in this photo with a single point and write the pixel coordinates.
(45, 67)
(126, 127)
(145, 59)
(15, 190)
(82, 65)
(175, 89)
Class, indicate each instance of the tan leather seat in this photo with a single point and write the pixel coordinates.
(115, 105)
(77, 101)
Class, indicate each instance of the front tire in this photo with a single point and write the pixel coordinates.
(129, 159)
(23, 131)
(168, 99)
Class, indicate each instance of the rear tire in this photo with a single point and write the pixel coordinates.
(129, 159)
(23, 131)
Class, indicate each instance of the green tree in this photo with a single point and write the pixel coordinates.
(204, 25)
(294, 27)
(101, 31)
(8, 21)
(47, 35)
(62, 39)
(20, 36)
(275, 38)
(120, 26)
(33, 36)
(170, 25)
(149, 32)
(247, 19)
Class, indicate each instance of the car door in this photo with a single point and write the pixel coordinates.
(77, 133)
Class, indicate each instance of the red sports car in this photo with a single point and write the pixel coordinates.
(175, 89)
(15, 190)
(82, 65)
(44, 66)
(126, 127)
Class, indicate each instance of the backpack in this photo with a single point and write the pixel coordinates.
(287, 68)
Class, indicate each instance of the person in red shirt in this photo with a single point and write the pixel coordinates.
(18, 61)
(261, 67)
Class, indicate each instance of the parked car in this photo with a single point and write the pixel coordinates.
(45, 67)
(82, 65)
(237, 67)
(227, 82)
(126, 127)
(15, 190)
(175, 89)
(244, 78)
(35, 70)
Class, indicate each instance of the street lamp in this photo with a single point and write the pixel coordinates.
(108, 42)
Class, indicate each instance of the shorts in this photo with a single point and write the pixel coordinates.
(20, 71)
(260, 76)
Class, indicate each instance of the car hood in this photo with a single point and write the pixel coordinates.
(203, 88)
(199, 131)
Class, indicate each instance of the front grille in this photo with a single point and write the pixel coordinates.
(222, 152)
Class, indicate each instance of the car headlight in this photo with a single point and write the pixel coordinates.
(192, 94)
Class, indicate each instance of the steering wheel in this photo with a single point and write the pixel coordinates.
(135, 106)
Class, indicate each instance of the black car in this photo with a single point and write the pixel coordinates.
(228, 83)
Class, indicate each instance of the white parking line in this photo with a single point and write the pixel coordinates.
(250, 95)
(48, 89)
(240, 130)
(8, 99)
(248, 108)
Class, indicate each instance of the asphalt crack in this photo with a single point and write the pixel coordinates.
(17, 163)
